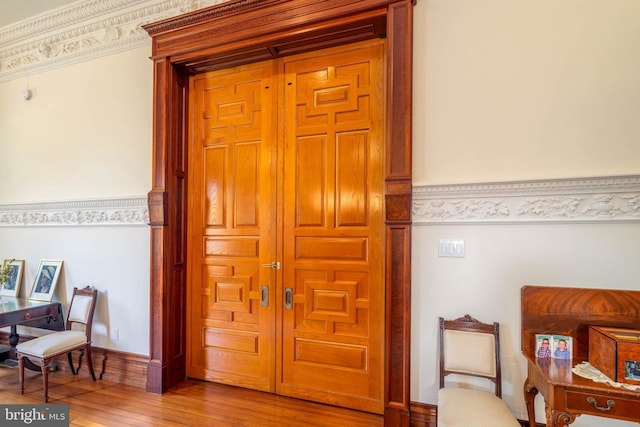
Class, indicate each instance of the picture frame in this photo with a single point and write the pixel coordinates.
(562, 347)
(549, 346)
(543, 346)
(46, 279)
(12, 285)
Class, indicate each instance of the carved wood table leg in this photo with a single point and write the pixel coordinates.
(530, 393)
(559, 418)
(14, 338)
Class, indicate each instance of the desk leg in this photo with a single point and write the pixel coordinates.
(14, 338)
(558, 418)
(530, 393)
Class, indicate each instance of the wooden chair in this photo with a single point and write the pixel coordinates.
(471, 349)
(76, 336)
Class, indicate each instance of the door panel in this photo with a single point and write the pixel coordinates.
(333, 227)
(232, 204)
(287, 165)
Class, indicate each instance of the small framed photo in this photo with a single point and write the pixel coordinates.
(543, 346)
(632, 370)
(46, 279)
(562, 347)
(12, 285)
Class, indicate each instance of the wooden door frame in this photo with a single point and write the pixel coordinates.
(243, 31)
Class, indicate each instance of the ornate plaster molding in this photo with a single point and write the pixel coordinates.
(111, 211)
(232, 8)
(592, 199)
(83, 31)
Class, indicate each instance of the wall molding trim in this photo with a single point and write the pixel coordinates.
(590, 199)
(82, 31)
(123, 211)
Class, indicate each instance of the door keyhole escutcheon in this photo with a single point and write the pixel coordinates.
(288, 298)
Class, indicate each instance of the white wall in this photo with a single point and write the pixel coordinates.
(85, 134)
(516, 90)
(486, 283)
(113, 259)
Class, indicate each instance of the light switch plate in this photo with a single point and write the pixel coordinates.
(451, 248)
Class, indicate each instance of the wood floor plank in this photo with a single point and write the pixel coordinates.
(192, 403)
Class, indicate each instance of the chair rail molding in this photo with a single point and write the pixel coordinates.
(97, 212)
(82, 31)
(590, 199)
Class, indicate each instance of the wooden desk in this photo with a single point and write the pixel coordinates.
(22, 311)
(570, 311)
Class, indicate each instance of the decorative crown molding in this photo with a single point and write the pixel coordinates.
(594, 199)
(111, 211)
(83, 31)
(230, 7)
(61, 17)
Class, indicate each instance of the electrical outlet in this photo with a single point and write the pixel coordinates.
(115, 334)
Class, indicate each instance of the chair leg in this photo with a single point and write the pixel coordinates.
(90, 362)
(74, 371)
(21, 373)
(45, 381)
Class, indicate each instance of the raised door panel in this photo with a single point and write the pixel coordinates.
(333, 224)
(232, 209)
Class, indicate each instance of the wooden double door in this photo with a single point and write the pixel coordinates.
(286, 226)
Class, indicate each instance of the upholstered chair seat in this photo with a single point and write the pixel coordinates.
(477, 408)
(54, 344)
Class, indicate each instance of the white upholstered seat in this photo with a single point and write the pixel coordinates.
(472, 408)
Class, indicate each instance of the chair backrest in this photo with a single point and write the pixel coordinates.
(472, 348)
(83, 304)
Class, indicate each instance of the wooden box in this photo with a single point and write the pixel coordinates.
(616, 353)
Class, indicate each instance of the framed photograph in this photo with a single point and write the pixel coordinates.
(12, 285)
(562, 347)
(632, 370)
(543, 346)
(46, 279)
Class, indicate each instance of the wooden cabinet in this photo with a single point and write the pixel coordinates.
(616, 353)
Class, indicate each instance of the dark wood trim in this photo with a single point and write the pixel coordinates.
(245, 31)
(168, 227)
(423, 415)
(111, 365)
(524, 423)
(398, 214)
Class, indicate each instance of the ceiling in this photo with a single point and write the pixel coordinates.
(12, 11)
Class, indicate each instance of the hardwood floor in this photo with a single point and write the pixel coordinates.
(192, 403)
